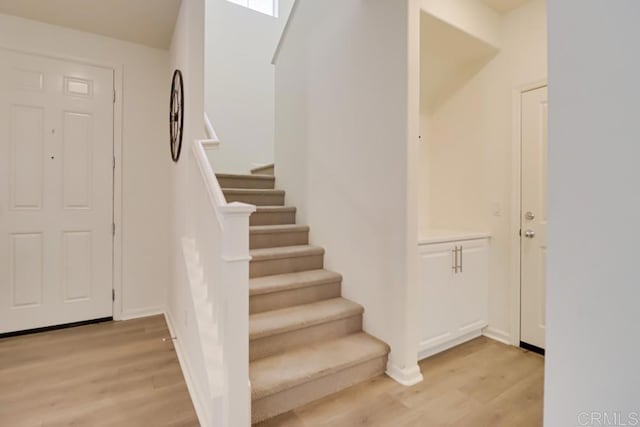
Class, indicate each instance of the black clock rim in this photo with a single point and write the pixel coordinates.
(176, 140)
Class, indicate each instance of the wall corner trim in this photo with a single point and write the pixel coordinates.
(405, 376)
(497, 335)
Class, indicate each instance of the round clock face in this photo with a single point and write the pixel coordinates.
(176, 115)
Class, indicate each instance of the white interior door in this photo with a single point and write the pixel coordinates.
(56, 192)
(533, 218)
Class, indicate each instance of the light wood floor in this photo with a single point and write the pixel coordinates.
(109, 374)
(124, 374)
(479, 384)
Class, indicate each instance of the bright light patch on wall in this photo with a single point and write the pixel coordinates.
(268, 7)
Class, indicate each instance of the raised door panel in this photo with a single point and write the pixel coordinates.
(470, 288)
(26, 147)
(78, 160)
(436, 275)
(26, 270)
(77, 266)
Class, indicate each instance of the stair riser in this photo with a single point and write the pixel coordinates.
(285, 265)
(276, 199)
(286, 400)
(293, 297)
(264, 184)
(272, 218)
(277, 344)
(273, 240)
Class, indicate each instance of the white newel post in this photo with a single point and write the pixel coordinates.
(236, 257)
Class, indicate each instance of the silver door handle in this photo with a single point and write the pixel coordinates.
(454, 266)
(529, 234)
(460, 266)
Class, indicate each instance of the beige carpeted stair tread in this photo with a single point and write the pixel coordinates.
(266, 169)
(301, 316)
(252, 191)
(276, 373)
(279, 228)
(248, 177)
(285, 252)
(275, 209)
(228, 180)
(283, 282)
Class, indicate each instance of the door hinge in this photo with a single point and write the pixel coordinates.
(113, 294)
(114, 162)
(113, 228)
(114, 96)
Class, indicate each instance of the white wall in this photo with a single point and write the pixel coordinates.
(341, 152)
(145, 154)
(593, 339)
(240, 44)
(467, 152)
(187, 54)
(471, 16)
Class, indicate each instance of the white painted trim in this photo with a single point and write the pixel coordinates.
(285, 31)
(446, 236)
(516, 175)
(213, 187)
(405, 376)
(221, 232)
(140, 313)
(199, 402)
(209, 130)
(428, 350)
(118, 282)
(118, 86)
(497, 335)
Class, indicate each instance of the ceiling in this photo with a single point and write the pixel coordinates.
(503, 6)
(148, 22)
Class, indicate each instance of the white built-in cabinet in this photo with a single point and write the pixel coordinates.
(454, 290)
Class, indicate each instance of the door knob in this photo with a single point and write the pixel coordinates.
(530, 234)
(529, 216)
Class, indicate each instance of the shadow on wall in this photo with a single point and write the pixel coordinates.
(451, 57)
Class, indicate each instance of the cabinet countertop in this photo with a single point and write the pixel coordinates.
(429, 237)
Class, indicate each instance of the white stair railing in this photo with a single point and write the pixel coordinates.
(219, 252)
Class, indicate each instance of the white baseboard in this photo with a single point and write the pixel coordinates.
(497, 335)
(430, 350)
(142, 312)
(405, 376)
(199, 402)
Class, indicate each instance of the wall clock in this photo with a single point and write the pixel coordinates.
(176, 114)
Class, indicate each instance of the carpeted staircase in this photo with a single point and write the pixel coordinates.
(306, 342)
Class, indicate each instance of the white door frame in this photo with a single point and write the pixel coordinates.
(118, 72)
(516, 198)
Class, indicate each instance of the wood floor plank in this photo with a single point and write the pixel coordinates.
(108, 374)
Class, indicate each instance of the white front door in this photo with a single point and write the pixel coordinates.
(56, 192)
(533, 220)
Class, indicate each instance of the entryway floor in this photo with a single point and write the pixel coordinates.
(124, 374)
(479, 384)
(108, 374)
